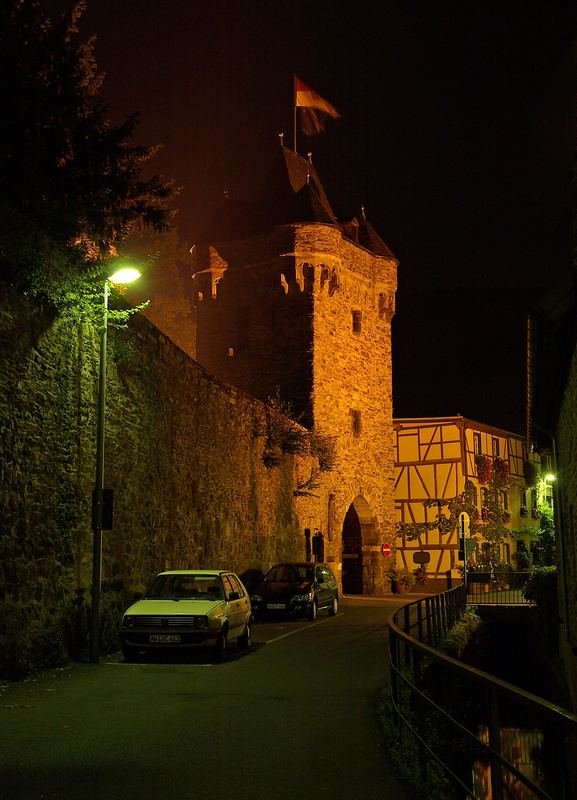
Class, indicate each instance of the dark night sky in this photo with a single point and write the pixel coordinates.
(456, 134)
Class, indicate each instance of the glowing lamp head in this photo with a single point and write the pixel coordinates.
(125, 275)
(549, 477)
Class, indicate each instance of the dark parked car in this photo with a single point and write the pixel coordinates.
(298, 589)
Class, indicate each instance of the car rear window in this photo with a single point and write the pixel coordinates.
(290, 573)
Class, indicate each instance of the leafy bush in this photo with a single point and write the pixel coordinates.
(28, 642)
(541, 589)
(460, 635)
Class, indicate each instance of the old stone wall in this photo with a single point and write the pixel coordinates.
(308, 312)
(566, 499)
(184, 455)
(354, 295)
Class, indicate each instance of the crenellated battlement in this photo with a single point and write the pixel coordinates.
(321, 262)
(292, 303)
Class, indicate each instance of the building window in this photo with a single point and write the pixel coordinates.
(495, 445)
(505, 501)
(477, 443)
(357, 319)
(356, 422)
(230, 352)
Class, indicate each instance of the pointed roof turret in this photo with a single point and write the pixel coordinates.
(293, 191)
(369, 238)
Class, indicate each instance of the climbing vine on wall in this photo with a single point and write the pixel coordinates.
(448, 513)
(283, 435)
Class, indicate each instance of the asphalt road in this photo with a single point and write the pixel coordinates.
(295, 717)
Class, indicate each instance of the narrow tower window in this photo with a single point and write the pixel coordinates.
(357, 321)
(356, 424)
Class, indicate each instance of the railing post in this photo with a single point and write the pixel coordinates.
(495, 744)
(428, 618)
(444, 623)
(435, 620)
(419, 715)
(420, 619)
(407, 626)
(394, 661)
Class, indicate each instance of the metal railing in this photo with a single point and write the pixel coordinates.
(497, 588)
(484, 738)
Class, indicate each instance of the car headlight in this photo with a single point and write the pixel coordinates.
(302, 598)
(256, 598)
(128, 622)
(201, 622)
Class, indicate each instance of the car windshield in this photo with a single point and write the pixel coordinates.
(185, 587)
(290, 573)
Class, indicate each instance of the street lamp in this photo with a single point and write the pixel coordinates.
(123, 275)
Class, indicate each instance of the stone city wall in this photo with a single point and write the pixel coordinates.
(184, 455)
(566, 499)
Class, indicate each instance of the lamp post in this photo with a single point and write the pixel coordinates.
(123, 275)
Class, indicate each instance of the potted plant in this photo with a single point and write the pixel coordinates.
(401, 579)
(420, 574)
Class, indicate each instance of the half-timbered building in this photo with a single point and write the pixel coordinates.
(435, 458)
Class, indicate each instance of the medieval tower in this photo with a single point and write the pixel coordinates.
(293, 303)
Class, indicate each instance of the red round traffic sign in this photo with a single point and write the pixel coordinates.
(386, 549)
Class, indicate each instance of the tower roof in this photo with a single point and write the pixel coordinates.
(370, 239)
(293, 188)
(292, 193)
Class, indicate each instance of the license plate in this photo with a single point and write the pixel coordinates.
(275, 605)
(165, 637)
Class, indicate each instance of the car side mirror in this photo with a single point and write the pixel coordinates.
(234, 596)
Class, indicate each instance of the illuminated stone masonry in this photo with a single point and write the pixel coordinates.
(299, 305)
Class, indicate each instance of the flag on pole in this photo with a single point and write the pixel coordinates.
(314, 109)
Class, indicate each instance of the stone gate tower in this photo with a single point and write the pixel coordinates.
(291, 300)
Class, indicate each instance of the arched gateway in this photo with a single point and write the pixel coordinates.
(292, 302)
(359, 540)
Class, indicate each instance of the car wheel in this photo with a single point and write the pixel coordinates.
(313, 610)
(219, 648)
(334, 607)
(130, 653)
(245, 639)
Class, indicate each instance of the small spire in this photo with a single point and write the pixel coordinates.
(310, 155)
(363, 214)
(281, 137)
(308, 177)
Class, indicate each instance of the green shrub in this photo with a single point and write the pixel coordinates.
(31, 639)
(458, 638)
(541, 588)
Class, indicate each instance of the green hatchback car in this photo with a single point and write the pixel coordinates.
(188, 609)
